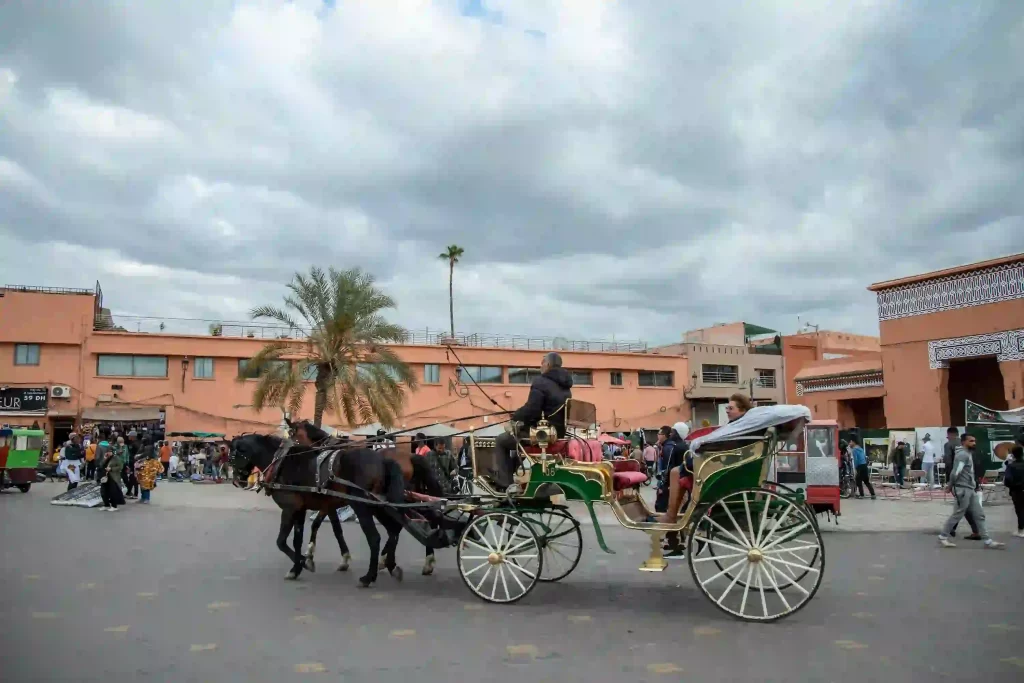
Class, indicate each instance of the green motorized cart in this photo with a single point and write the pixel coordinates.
(19, 457)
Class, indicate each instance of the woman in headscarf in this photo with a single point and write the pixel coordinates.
(110, 482)
(146, 470)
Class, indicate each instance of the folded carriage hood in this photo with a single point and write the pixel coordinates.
(755, 420)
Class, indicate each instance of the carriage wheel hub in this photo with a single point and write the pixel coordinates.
(754, 555)
(495, 558)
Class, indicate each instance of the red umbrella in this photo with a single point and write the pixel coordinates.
(608, 438)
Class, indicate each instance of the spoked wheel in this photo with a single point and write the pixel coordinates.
(762, 543)
(500, 557)
(846, 485)
(561, 540)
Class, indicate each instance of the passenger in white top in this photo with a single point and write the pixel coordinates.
(928, 459)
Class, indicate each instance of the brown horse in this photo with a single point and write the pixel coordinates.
(382, 473)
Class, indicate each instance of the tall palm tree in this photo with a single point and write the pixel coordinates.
(452, 256)
(345, 354)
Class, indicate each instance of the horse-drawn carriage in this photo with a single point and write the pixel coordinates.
(753, 546)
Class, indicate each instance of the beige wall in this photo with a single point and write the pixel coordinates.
(748, 363)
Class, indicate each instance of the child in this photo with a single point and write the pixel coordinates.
(1014, 480)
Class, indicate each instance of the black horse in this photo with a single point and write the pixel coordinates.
(379, 472)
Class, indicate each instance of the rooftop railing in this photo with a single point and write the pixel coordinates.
(425, 337)
(47, 290)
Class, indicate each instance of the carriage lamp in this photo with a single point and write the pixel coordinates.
(184, 370)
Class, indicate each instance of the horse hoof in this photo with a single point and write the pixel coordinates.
(346, 560)
(310, 564)
(291, 576)
(428, 566)
(397, 574)
(365, 582)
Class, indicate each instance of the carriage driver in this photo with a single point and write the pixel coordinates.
(548, 394)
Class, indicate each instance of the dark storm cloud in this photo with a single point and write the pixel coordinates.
(676, 167)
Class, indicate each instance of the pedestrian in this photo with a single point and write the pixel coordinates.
(147, 469)
(860, 465)
(110, 486)
(165, 458)
(442, 464)
(1014, 481)
(74, 456)
(928, 459)
(90, 458)
(948, 453)
(132, 450)
(966, 494)
(898, 460)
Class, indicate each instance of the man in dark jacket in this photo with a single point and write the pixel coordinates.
(548, 394)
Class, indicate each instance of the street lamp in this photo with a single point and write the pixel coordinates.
(184, 369)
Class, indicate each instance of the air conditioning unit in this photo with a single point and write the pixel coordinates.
(60, 391)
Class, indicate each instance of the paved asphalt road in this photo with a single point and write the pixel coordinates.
(197, 595)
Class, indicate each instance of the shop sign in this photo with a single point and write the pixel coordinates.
(21, 400)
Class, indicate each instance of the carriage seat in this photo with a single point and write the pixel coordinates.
(628, 473)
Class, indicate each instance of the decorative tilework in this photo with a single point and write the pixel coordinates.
(1004, 346)
(989, 285)
(861, 381)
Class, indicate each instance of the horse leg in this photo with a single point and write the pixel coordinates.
(311, 548)
(346, 556)
(394, 528)
(299, 530)
(287, 524)
(365, 516)
(429, 562)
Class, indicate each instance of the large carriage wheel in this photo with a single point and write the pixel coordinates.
(500, 557)
(707, 530)
(763, 542)
(561, 540)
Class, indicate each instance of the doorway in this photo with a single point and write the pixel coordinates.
(974, 379)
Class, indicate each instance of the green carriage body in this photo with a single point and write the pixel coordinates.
(19, 455)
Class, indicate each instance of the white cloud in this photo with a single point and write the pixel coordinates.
(610, 168)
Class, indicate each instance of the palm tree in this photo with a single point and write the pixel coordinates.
(452, 257)
(345, 354)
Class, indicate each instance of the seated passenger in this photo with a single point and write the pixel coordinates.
(682, 480)
(548, 394)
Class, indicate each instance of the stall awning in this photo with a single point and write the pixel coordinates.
(121, 414)
(431, 431)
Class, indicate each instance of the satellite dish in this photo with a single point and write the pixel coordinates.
(560, 343)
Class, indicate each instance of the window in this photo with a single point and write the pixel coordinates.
(309, 374)
(202, 368)
(482, 374)
(582, 378)
(131, 366)
(431, 373)
(616, 378)
(366, 368)
(269, 367)
(655, 378)
(766, 378)
(720, 374)
(522, 375)
(26, 354)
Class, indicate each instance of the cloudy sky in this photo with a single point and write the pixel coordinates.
(611, 167)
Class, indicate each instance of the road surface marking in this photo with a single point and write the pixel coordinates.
(32, 577)
(876, 578)
(850, 645)
(521, 650)
(862, 595)
(863, 615)
(117, 629)
(402, 633)
(310, 668)
(44, 615)
(213, 606)
(878, 566)
(472, 606)
(579, 618)
(1003, 627)
(304, 619)
(86, 586)
(663, 668)
(1016, 661)
(379, 596)
(232, 578)
(706, 631)
(209, 647)
(145, 596)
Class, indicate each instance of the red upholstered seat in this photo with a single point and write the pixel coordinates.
(627, 480)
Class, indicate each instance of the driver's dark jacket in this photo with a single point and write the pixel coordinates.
(548, 394)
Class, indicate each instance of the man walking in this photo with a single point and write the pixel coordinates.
(948, 452)
(964, 488)
(898, 460)
(860, 465)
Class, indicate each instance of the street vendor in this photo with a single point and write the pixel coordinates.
(548, 394)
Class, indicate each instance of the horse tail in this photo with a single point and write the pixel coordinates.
(394, 481)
